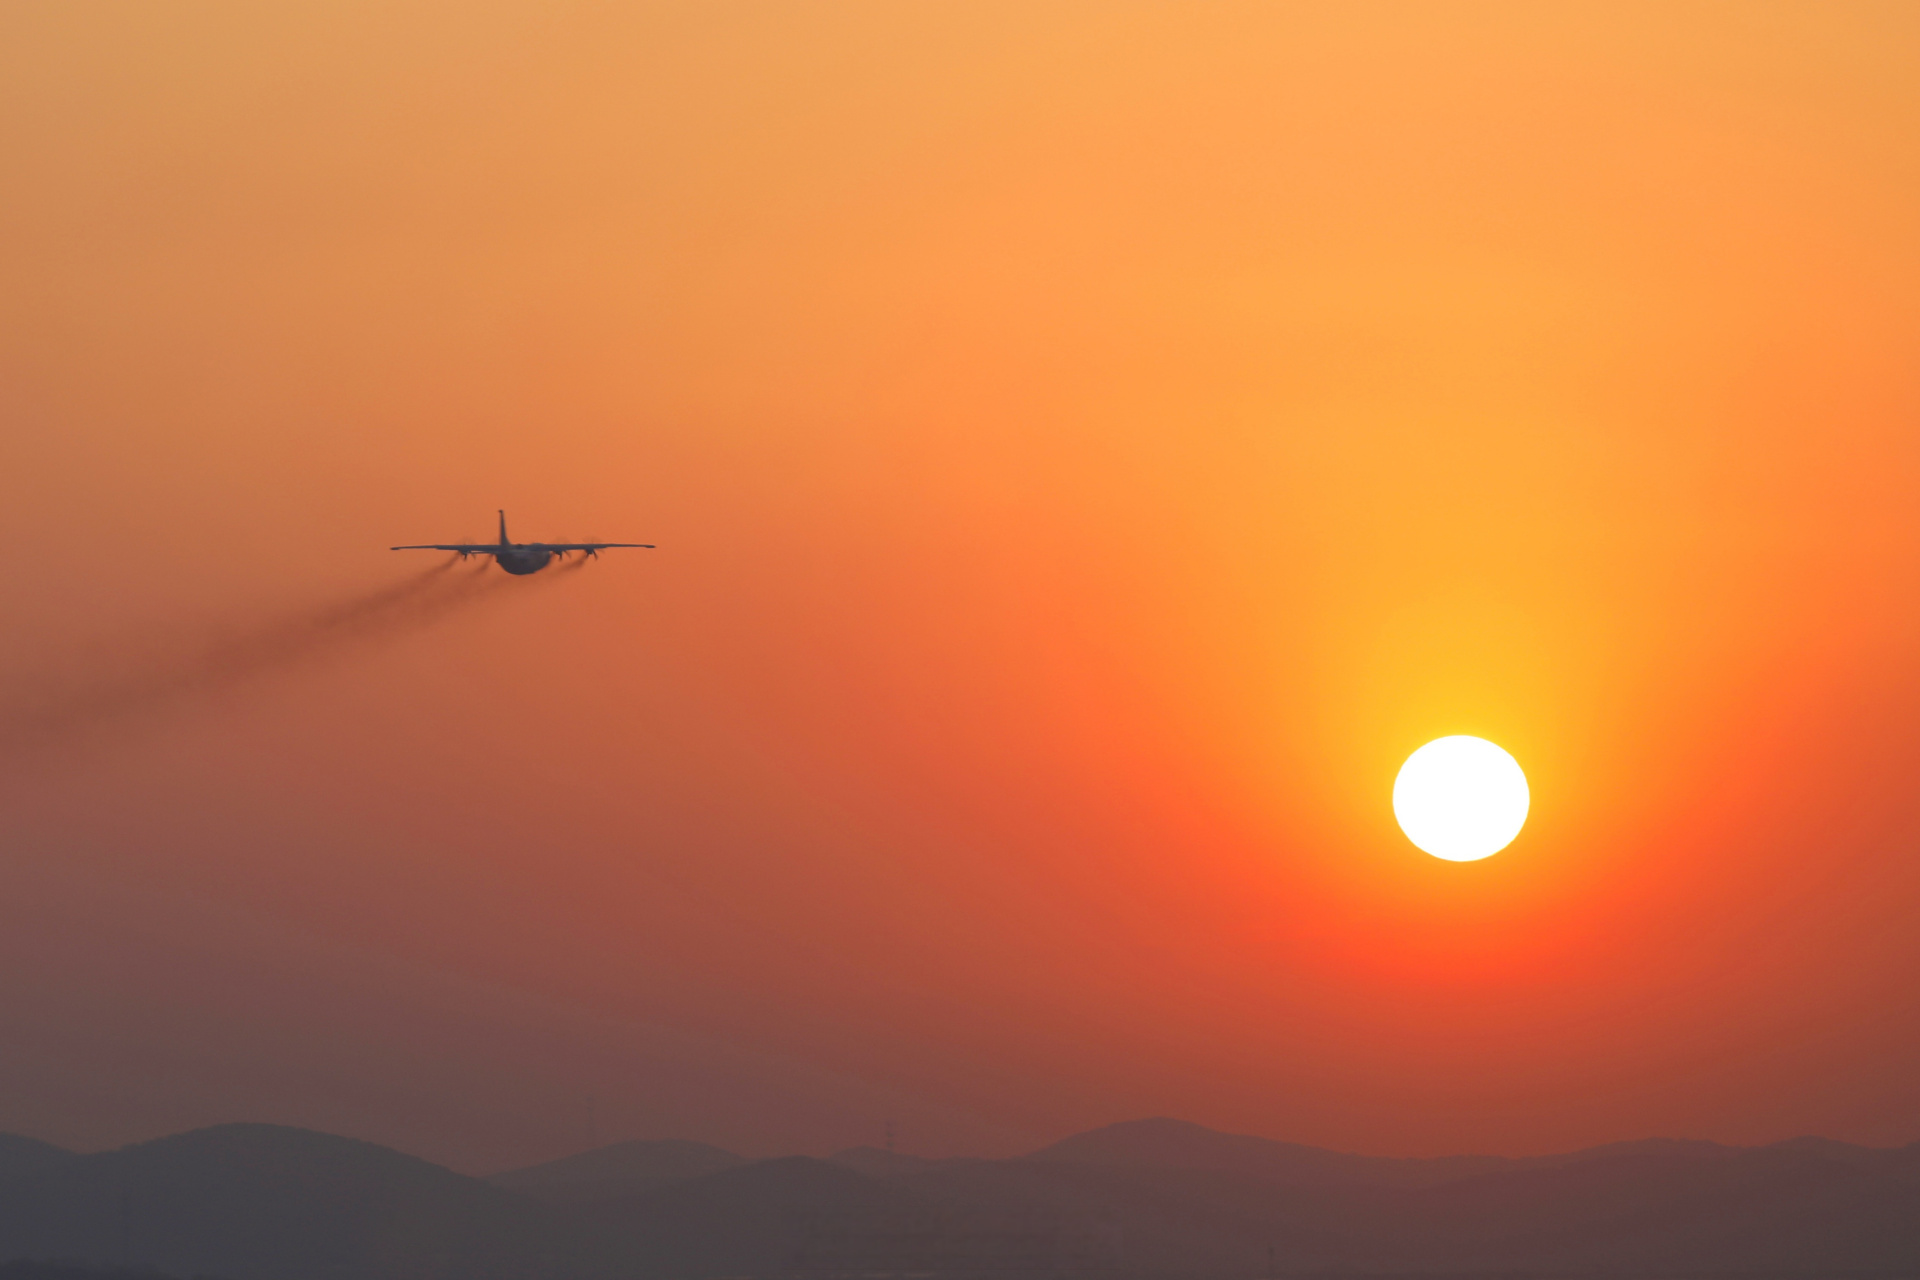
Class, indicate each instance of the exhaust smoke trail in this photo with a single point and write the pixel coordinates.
(141, 685)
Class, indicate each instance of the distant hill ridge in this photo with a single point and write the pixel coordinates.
(623, 1169)
(1158, 1196)
(245, 1200)
(21, 1156)
(1162, 1143)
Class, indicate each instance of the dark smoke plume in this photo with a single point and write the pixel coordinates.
(113, 692)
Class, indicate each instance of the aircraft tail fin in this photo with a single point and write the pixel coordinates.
(503, 529)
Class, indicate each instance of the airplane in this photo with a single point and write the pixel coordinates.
(520, 557)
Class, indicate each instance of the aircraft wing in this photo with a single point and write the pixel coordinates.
(467, 548)
(588, 546)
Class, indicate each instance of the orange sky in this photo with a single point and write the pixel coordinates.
(1090, 445)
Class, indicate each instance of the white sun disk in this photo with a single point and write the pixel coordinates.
(1461, 798)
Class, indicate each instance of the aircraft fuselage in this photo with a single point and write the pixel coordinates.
(523, 560)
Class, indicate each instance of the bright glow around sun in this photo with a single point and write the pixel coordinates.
(1461, 798)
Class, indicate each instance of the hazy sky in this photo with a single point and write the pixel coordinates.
(1090, 445)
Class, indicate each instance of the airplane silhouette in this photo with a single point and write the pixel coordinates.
(519, 557)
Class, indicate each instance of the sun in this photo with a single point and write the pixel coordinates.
(1461, 798)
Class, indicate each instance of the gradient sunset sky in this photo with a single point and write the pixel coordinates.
(1090, 446)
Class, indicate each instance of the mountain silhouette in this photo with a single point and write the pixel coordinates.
(1178, 1144)
(1151, 1197)
(256, 1200)
(25, 1157)
(1189, 1193)
(624, 1169)
(756, 1219)
(878, 1162)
